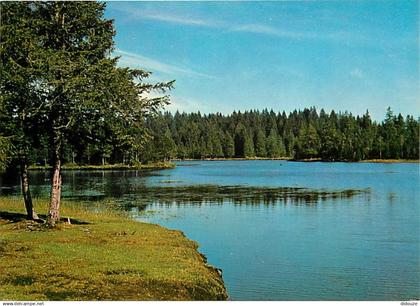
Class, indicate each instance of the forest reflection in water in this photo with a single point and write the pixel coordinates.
(238, 195)
(128, 189)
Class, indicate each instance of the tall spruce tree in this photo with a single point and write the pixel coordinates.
(21, 88)
(260, 144)
(273, 147)
(228, 146)
(248, 145)
(308, 142)
(77, 81)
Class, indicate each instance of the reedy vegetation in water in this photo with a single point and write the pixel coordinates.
(243, 194)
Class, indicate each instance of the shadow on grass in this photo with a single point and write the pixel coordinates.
(23, 281)
(18, 217)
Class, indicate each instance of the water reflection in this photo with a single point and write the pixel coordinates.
(215, 194)
(142, 188)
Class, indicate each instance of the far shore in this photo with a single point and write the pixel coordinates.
(385, 161)
(390, 161)
(148, 166)
(171, 164)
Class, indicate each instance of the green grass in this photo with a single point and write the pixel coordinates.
(109, 258)
(149, 166)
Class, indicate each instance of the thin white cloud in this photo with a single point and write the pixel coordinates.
(263, 29)
(166, 17)
(185, 20)
(256, 28)
(337, 36)
(193, 21)
(135, 60)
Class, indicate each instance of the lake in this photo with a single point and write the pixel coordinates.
(279, 230)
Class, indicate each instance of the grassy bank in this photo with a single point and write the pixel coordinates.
(105, 257)
(149, 166)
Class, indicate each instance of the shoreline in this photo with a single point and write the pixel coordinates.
(307, 160)
(150, 166)
(99, 254)
(171, 164)
(391, 161)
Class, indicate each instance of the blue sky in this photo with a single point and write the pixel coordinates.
(225, 56)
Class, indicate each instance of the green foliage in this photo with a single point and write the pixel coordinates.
(307, 145)
(248, 146)
(228, 146)
(21, 70)
(61, 88)
(282, 148)
(273, 145)
(59, 80)
(330, 137)
(260, 144)
(301, 134)
(5, 152)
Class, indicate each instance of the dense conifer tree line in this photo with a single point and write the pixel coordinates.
(299, 135)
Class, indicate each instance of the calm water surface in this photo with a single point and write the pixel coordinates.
(364, 246)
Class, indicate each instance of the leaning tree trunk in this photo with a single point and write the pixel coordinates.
(54, 210)
(31, 214)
